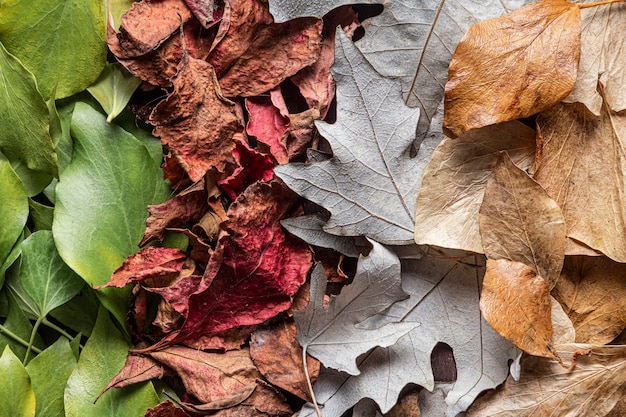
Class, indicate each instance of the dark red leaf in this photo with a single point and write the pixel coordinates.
(166, 409)
(268, 126)
(253, 166)
(208, 12)
(138, 368)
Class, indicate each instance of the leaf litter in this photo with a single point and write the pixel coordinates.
(434, 238)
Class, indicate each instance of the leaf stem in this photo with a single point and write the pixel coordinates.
(598, 3)
(18, 339)
(308, 383)
(31, 342)
(58, 329)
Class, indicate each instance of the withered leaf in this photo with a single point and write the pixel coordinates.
(592, 388)
(278, 356)
(159, 265)
(602, 58)
(592, 291)
(252, 166)
(138, 368)
(231, 400)
(453, 187)
(196, 122)
(146, 25)
(516, 303)
(520, 222)
(278, 51)
(513, 66)
(268, 126)
(206, 11)
(583, 168)
(256, 267)
(166, 409)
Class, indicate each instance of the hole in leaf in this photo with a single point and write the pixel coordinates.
(442, 362)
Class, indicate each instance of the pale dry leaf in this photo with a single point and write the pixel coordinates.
(545, 388)
(376, 286)
(369, 185)
(444, 299)
(452, 190)
(520, 222)
(592, 291)
(582, 168)
(602, 58)
(513, 66)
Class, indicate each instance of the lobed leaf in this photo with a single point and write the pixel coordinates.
(17, 397)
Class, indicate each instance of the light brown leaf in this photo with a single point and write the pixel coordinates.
(196, 122)
(513, 66)
(520, 222)
(583, 169)
(515, 301)
(593, 294)
(592, 388)
(602, 58)
(452, 190)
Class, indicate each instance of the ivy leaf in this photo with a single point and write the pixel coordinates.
(376, 286)
(370, 185)
(16, 397)
(101, 201)
(113, 89)
(61, 43)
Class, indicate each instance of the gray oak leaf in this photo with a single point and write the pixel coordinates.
(371, 183)
(332, 334)
(444, 296)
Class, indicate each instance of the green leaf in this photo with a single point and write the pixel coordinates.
(79, 314)
(113, 89)
(17, 398)
(63, 43)
(12, 257)
(14, 203)
(49, 391)
(101, 201)
(40, 215)
(44, 276)
(18, 324)
(24, 117)
(103, 356)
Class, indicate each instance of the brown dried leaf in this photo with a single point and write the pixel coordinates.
(166, 409)
(278, 51)
(278, 355)
(138, 368)
(592, 388)
(593, 294)
(583, 169)
(513, 66)
(453, 187)
(196, 122)
(602, 58)
(516, 303)
(520, 222)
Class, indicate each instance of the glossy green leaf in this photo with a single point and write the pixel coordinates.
(18, 324)
(17, 398)
(24, 117)
(102, 199)
(113, 89)
(103, 356)
(11, 258)
(14, 203)
(40, 215)
(44, 276)
(49, 373)
(118, 8)
(63, 43)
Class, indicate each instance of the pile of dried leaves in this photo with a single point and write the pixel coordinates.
(346, 233)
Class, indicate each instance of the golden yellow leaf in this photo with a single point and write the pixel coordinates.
(513, 66)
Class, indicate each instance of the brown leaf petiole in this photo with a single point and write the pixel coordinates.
(598, 3)
(308, 383)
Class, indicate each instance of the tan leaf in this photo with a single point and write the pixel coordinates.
(196, 122)
(593, 294)
(602, 58)
(515, 301)
(583, 169)
(513, 66)
(593, 388)
(452, 190)
(520, 222)
(278, 355)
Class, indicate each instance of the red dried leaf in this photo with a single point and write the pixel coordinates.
(278, 355)
(268, 126)
(210, 376)
(278, 51)
(196, 122)
(189, 205)
(208, 12)
(253, 166)
(227, 340)
(242, 21)
(178, 294)
(149, 263)
(315, 82)
(146, 26)
(257, 262)
(138, 368)
(166, 409)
